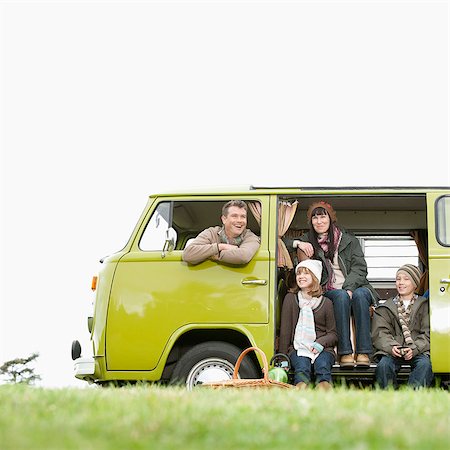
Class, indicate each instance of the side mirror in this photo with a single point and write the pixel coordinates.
(170, 242)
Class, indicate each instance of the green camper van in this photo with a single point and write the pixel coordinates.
(156, 318)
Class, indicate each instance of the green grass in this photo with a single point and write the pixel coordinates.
(147, 417)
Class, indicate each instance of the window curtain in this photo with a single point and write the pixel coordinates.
(255, 208)
(421, 240)
(286, 212)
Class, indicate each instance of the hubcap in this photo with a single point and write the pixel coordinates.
(211, 369)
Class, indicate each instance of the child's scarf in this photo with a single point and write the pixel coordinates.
(404, 316)
(305, 331)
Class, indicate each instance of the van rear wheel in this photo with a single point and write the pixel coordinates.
(211, 361)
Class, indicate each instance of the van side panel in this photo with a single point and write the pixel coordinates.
(439, 270)
(153, 297)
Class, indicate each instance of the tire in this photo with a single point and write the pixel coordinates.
(211, 361)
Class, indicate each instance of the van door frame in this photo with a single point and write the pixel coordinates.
(439, 270)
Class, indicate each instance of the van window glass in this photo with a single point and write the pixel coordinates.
(187, 219)
(385, 254)
(443, 220)
(154, 235)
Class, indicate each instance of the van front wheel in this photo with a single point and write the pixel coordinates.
(211, 361)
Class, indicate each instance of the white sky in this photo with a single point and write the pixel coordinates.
(103, 103)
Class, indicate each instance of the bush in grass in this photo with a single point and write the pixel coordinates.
(18, 370)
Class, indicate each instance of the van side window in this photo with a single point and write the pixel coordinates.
(443, 221)
(192, 217)
(385, 254)
(154, 235)
(187, 219)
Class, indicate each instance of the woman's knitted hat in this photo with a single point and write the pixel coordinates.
(413, 272)
(326, 206)
(313, 265)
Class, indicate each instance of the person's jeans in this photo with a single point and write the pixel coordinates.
(359, 306)
(303, 368)
(387, 369)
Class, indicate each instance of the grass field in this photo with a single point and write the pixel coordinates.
(151, 417)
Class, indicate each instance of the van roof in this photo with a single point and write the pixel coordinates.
(286, 190)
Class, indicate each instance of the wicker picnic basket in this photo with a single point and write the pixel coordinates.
(236, 382)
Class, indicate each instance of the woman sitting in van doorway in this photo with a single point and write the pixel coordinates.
(308, 329)
(232, 243)
(401, 333)
(344, 279)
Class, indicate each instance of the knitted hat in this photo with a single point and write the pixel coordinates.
(413, 272)
(313, 265)
(326, 206)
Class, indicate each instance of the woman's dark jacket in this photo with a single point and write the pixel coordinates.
(351, 261)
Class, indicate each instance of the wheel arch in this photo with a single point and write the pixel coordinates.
(193, 337)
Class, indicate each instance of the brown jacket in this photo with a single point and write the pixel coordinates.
(206, 246)
(324, 322)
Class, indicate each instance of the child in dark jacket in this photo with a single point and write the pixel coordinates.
(401, 333)
(308, 328)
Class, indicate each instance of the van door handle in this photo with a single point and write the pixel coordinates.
(260, 282)
(445, 280)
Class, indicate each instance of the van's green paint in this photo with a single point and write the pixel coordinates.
(146, 302)
(439, 269)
